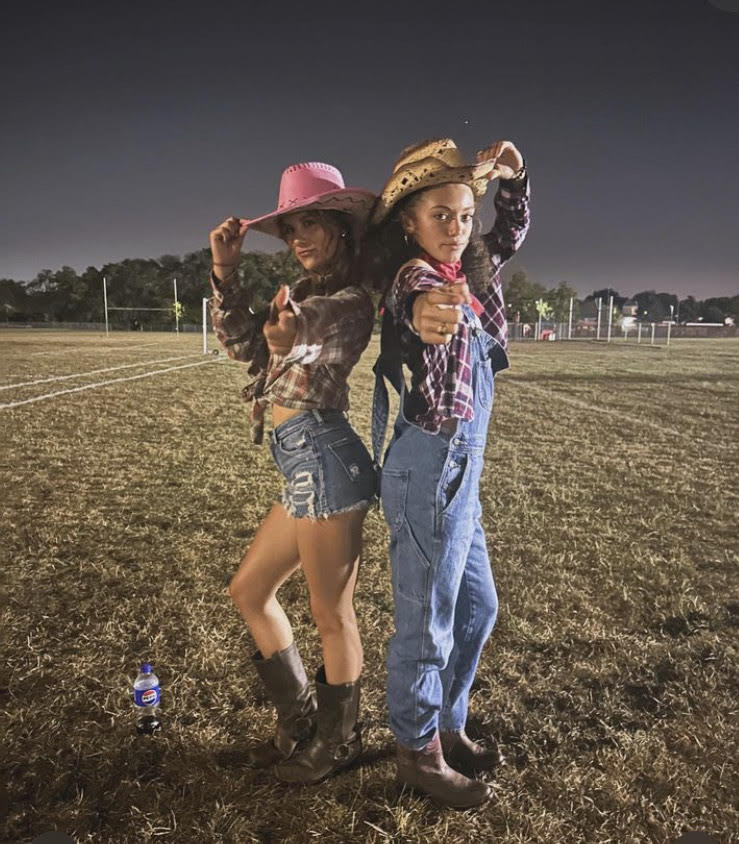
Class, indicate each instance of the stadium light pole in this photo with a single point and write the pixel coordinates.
(597, 330)
(105, 302)
(176, 310)
(569, 326)
(610, 318)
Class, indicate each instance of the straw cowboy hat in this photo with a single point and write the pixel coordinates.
(427, 164)
(314, 185)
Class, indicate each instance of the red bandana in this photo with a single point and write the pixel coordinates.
(453, 273)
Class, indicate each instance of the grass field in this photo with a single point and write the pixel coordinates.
(610, 498)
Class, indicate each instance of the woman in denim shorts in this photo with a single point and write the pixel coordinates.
(452, 337)
(302, 348)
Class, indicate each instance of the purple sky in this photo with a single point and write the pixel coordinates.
(131, 133)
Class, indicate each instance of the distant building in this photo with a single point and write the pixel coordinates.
(630, 308)
(589, 311)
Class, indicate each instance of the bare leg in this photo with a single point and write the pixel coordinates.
(269, 561)
(329, 552)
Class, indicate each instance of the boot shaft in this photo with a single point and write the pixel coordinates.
(338, 708)
(286, 684)
(284, 679)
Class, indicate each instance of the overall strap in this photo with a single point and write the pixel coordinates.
(388, 365)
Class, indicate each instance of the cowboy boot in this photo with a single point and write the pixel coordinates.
(287, 686)
(467, 756)
(338, 740)
(426, 771)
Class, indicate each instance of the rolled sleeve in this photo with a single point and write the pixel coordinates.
(236, 325)
(409, 283)
(512, 206)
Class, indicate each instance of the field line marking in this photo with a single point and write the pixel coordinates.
(95, 371)
(592, 408)
(105, 348)
(105, 383)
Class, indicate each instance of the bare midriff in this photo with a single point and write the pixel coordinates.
(281, 414)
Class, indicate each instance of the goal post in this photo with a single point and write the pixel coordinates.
(207, 327)
(175, 308)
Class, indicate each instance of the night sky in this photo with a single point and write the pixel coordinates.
(133, 132)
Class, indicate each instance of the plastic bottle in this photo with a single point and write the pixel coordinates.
(146, 697)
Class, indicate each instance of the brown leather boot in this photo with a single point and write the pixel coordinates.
(287, 686)
(467, 756)
(426, 771)
(338, 740)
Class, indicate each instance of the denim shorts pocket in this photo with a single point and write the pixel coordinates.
(451, 481)
(353, 457)
(393, 492)
(293, 441)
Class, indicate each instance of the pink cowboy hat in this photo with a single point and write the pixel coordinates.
(314, 185)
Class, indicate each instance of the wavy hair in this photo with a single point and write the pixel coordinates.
(385, 250)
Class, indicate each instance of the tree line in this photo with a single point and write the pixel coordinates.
(522, 294)
(139, 283)
(66, 296)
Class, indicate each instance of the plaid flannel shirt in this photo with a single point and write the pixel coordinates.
(441, 385)
(332, 333)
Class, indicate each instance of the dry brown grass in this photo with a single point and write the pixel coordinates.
(611, 679)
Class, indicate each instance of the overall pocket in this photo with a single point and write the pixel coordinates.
(451, 481)
(484, 382)
(393, 492)
(411, 568)
(411, 565)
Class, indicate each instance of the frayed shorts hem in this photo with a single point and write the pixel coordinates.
(297, 512)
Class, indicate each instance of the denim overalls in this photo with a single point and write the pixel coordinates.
(445, 598)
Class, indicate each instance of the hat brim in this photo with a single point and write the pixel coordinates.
(353, 201)
(416, 176)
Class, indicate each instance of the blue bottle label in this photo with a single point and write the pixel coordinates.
(146, 697)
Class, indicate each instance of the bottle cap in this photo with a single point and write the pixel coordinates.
(146, 668)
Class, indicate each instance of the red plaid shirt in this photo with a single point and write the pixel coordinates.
(441, 374)
(332, 333)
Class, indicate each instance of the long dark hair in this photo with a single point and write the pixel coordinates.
(386, 249)
(344, 266)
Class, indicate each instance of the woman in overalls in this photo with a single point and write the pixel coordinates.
(449, 329)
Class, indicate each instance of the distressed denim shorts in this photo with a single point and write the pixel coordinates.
(326, 467)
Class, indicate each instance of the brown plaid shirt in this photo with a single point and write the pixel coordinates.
(332, 333)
